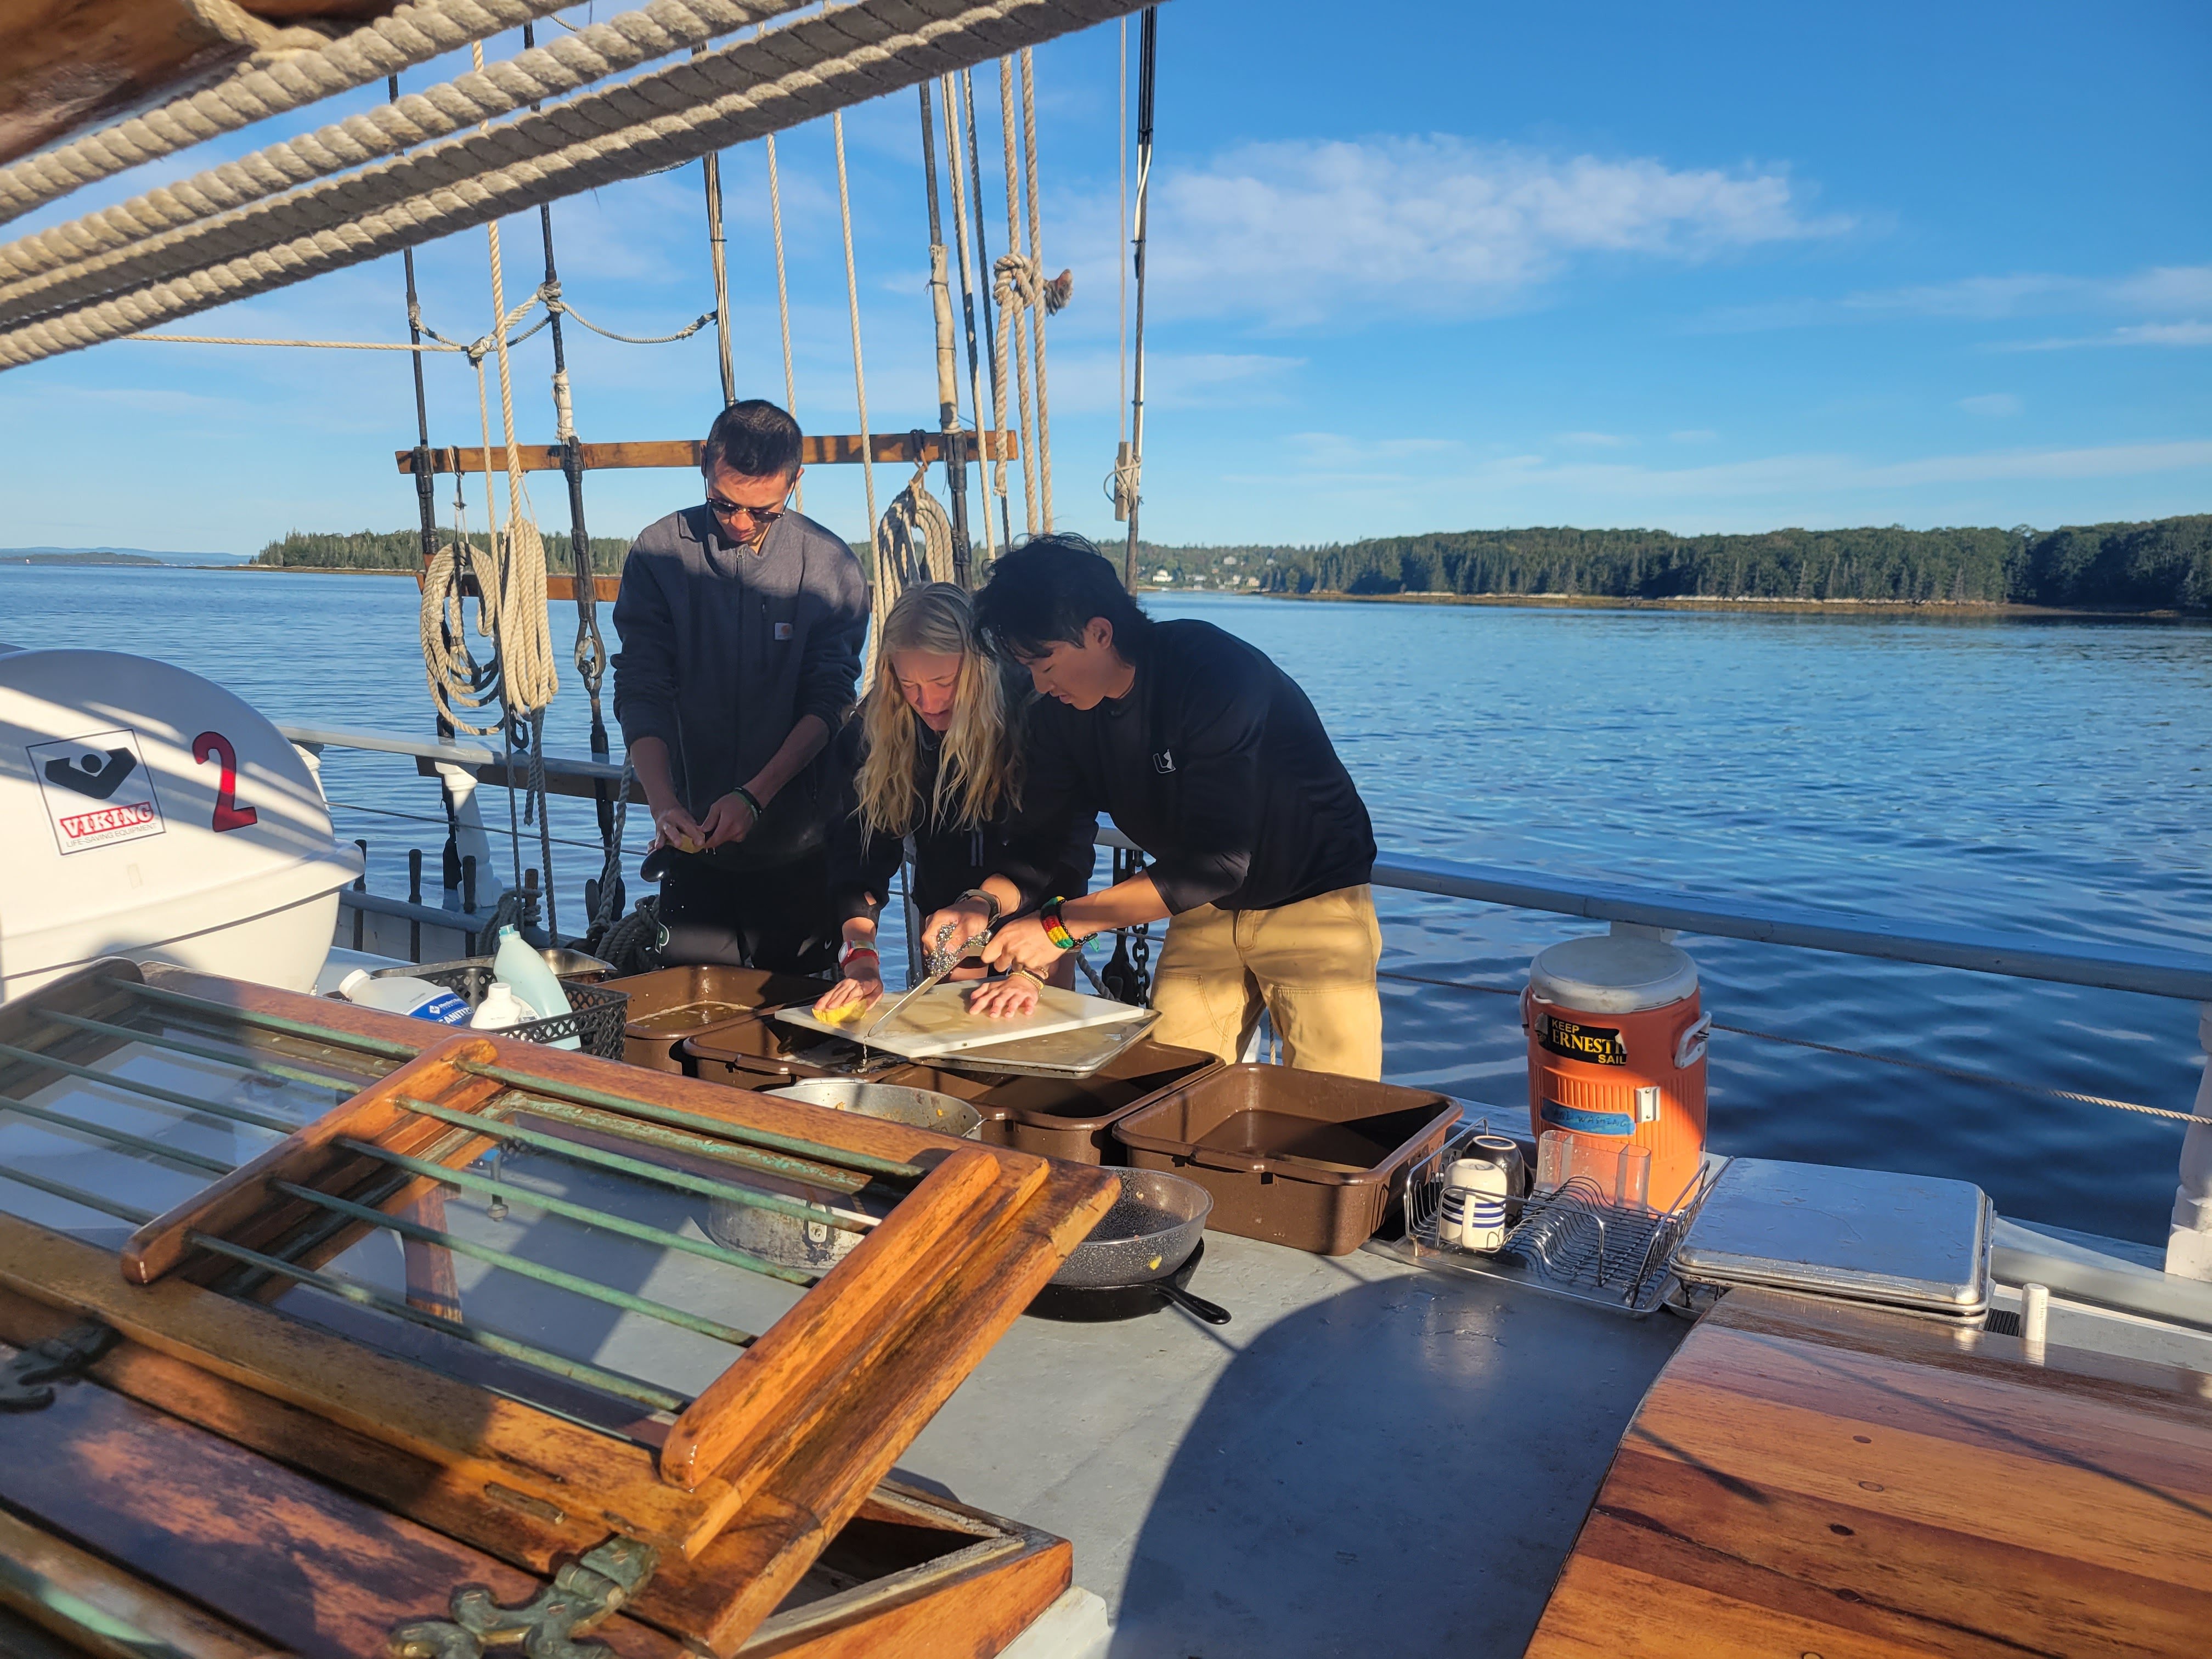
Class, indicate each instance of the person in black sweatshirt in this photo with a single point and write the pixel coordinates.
(1211, 759)
(741, 626)
(932, 755)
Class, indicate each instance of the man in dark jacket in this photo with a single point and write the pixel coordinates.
(1212, 760)
(741, 625)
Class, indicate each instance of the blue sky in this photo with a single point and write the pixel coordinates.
(1723, 267)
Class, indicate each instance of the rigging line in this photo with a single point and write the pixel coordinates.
(1014, 293)
(1040, 305)
(1121, 266)
(682, 333)
(990, 319)
(860, 373)
(710, 169)
(316, 345)
(1148, 36)
(1954, 1072)
(955, 164)
(783, 310)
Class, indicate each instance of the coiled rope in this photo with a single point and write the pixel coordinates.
(744, 90)
(413, 34)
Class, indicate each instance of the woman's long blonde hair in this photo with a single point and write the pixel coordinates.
(976, 775)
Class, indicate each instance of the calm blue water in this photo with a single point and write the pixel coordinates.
(2051, 776)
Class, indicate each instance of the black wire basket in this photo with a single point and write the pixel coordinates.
(595, 1018)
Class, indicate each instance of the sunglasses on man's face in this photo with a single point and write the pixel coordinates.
(734, 512)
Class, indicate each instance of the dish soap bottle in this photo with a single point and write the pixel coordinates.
(500, 1008)
(405, 995)
(531, 979)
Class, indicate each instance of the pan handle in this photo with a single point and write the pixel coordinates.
(1198, 1306)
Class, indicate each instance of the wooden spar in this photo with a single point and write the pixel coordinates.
(831, 449)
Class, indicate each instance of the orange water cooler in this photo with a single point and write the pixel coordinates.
(1617, 1056)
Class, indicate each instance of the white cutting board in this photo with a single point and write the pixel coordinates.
(938, 1021)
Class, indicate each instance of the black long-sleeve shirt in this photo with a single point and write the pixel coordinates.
(948, 861)
(724, 650)
(1215, 763)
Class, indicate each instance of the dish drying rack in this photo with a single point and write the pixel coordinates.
(1570, 1242)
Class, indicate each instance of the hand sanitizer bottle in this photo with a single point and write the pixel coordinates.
(401, 993)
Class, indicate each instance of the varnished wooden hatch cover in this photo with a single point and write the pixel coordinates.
(737, 1485)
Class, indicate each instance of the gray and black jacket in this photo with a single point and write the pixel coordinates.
(724, 650)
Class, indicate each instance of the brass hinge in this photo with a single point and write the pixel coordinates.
(581, 1594)
(27, 1381)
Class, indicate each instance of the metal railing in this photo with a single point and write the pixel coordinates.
(2183, 975)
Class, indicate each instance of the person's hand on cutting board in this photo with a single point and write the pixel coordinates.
(1004, 998)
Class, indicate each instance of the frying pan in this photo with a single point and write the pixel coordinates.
(1153, 1232)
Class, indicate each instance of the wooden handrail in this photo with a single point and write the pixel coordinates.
(831, 449)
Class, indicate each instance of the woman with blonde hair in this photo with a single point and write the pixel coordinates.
(933, 753)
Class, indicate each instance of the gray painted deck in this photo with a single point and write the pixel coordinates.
(1371, 1457)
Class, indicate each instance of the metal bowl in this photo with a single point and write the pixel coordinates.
(895, 1102)
(790, 1242)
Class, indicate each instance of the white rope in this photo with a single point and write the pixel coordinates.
(1017, 295)
(111, 249)
(1036, 269)
(317, 345)
(527, 676)
(742, 92)
(955, 161)
(783, 307)
(852, 304)
(413, 34)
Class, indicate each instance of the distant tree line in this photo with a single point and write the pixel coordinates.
(2163, 565)
(402, 549)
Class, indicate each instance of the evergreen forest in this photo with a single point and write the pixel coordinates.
(2164, 565)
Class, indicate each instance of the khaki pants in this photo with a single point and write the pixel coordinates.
(1310, 965)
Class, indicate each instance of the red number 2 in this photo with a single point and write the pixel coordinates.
(229, 814)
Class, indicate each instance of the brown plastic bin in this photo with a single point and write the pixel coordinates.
(1069, 1117)
(1304, 1158)
(671, 1005)
(759, 1054)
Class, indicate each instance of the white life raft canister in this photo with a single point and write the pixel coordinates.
(1617, 1052)
(148, 813)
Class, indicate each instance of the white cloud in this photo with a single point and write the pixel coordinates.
(1991, 402)
(1594, 440)
(1301, 233)
(2135, 334)
(2155, 291)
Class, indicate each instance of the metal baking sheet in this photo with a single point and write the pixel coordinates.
(1063, 1054)
(937, 1022)
(1872, 1236)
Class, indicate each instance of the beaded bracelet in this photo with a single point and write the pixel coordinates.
(1055, 927)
